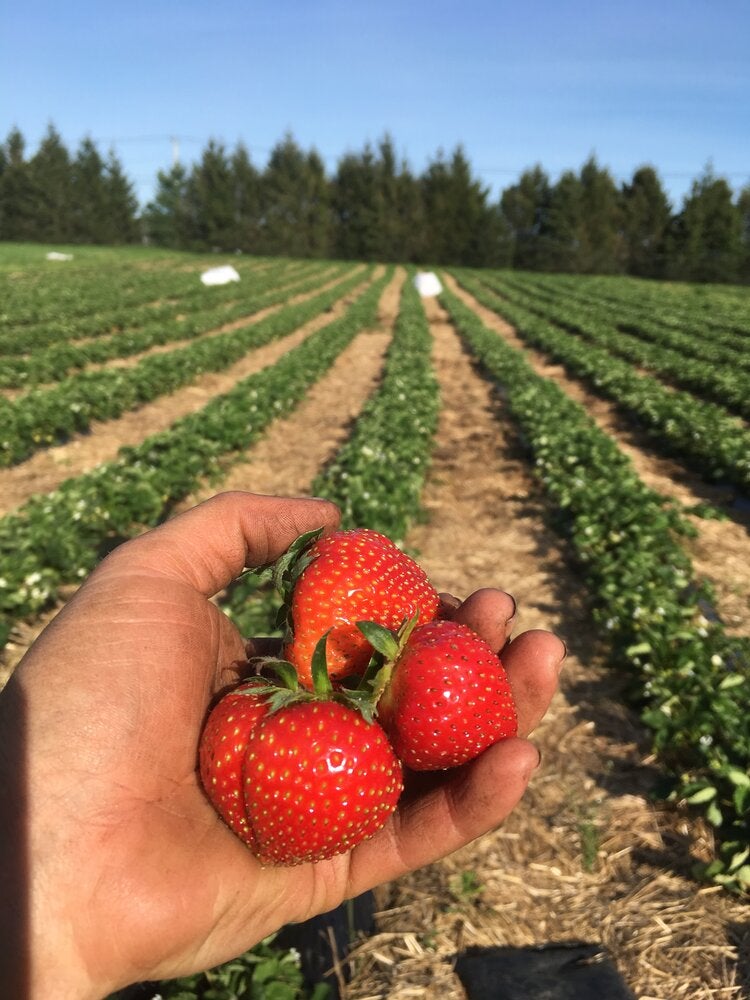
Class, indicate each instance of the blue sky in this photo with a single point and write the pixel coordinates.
(665, 82)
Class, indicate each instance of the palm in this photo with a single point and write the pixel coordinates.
(154, 884)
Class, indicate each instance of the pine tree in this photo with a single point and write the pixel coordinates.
(50, 173)
(565, 224)
(89, 195)
(166, 219)
(17, 191)
(646, 220)
(709, 234)
(354, 205)
(602, 249)
(525, 208)
(210, 195)
(122, 204)
(743, 207)
(461, 226)
(246, 189)
(295, 203)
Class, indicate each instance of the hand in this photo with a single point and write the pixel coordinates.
(115, 868)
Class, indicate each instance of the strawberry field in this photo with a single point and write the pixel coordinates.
(582, 442)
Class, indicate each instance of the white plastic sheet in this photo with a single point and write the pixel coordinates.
(427, 283)
(55, 255)
(220, 275)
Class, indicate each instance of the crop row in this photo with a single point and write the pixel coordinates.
(57, 539)
(172, 299)
(682, 355)
(376, 477)
(51, 364)
(713, 310)
(692, 679)
(46, 416)
(101, 285)
(700, 433)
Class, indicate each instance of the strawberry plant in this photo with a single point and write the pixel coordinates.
(686, 672)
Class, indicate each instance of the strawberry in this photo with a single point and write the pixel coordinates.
(319, 779)
(443, 695)
(298, 775)
(328, 584)
(224, 741)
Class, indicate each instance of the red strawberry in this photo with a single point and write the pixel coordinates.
(446, 696)
(298, 775)
(319, 779)
(334, 582)
(224, 742)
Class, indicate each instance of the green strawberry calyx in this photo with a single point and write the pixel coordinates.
(388, 646)
(287, 570)
(280, 686)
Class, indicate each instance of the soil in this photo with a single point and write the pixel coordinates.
(589, 855)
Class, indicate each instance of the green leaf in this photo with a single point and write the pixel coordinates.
(731, 681)
(383, 639)
(738, 859)
(703, 795)
(288, 564)
(284, 671)
(714, 815)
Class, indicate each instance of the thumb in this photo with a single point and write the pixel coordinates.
(208, 546)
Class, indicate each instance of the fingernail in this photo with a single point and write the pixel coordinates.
(515, 608)
(564, 656)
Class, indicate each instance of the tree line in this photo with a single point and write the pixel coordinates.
(375, 207)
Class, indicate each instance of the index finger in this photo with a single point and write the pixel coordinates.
(209, 545)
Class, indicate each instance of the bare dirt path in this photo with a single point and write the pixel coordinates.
(586, 857)
(45, 470)
(721, 550)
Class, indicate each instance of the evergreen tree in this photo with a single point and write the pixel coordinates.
(51, 179)
(122, 204)
(411, 217)
(246, 186)
(602, 249)
(354, 206)
(295, 203)
(210, 195)
(461, 227)
(17, 191)
(388, 191)
(743, 207)
(166, 218)
(709, 232)
(646, 221)
(525, 209)
(89, 195)
(565, 224)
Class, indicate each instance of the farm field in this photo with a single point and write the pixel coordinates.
(582, 442)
